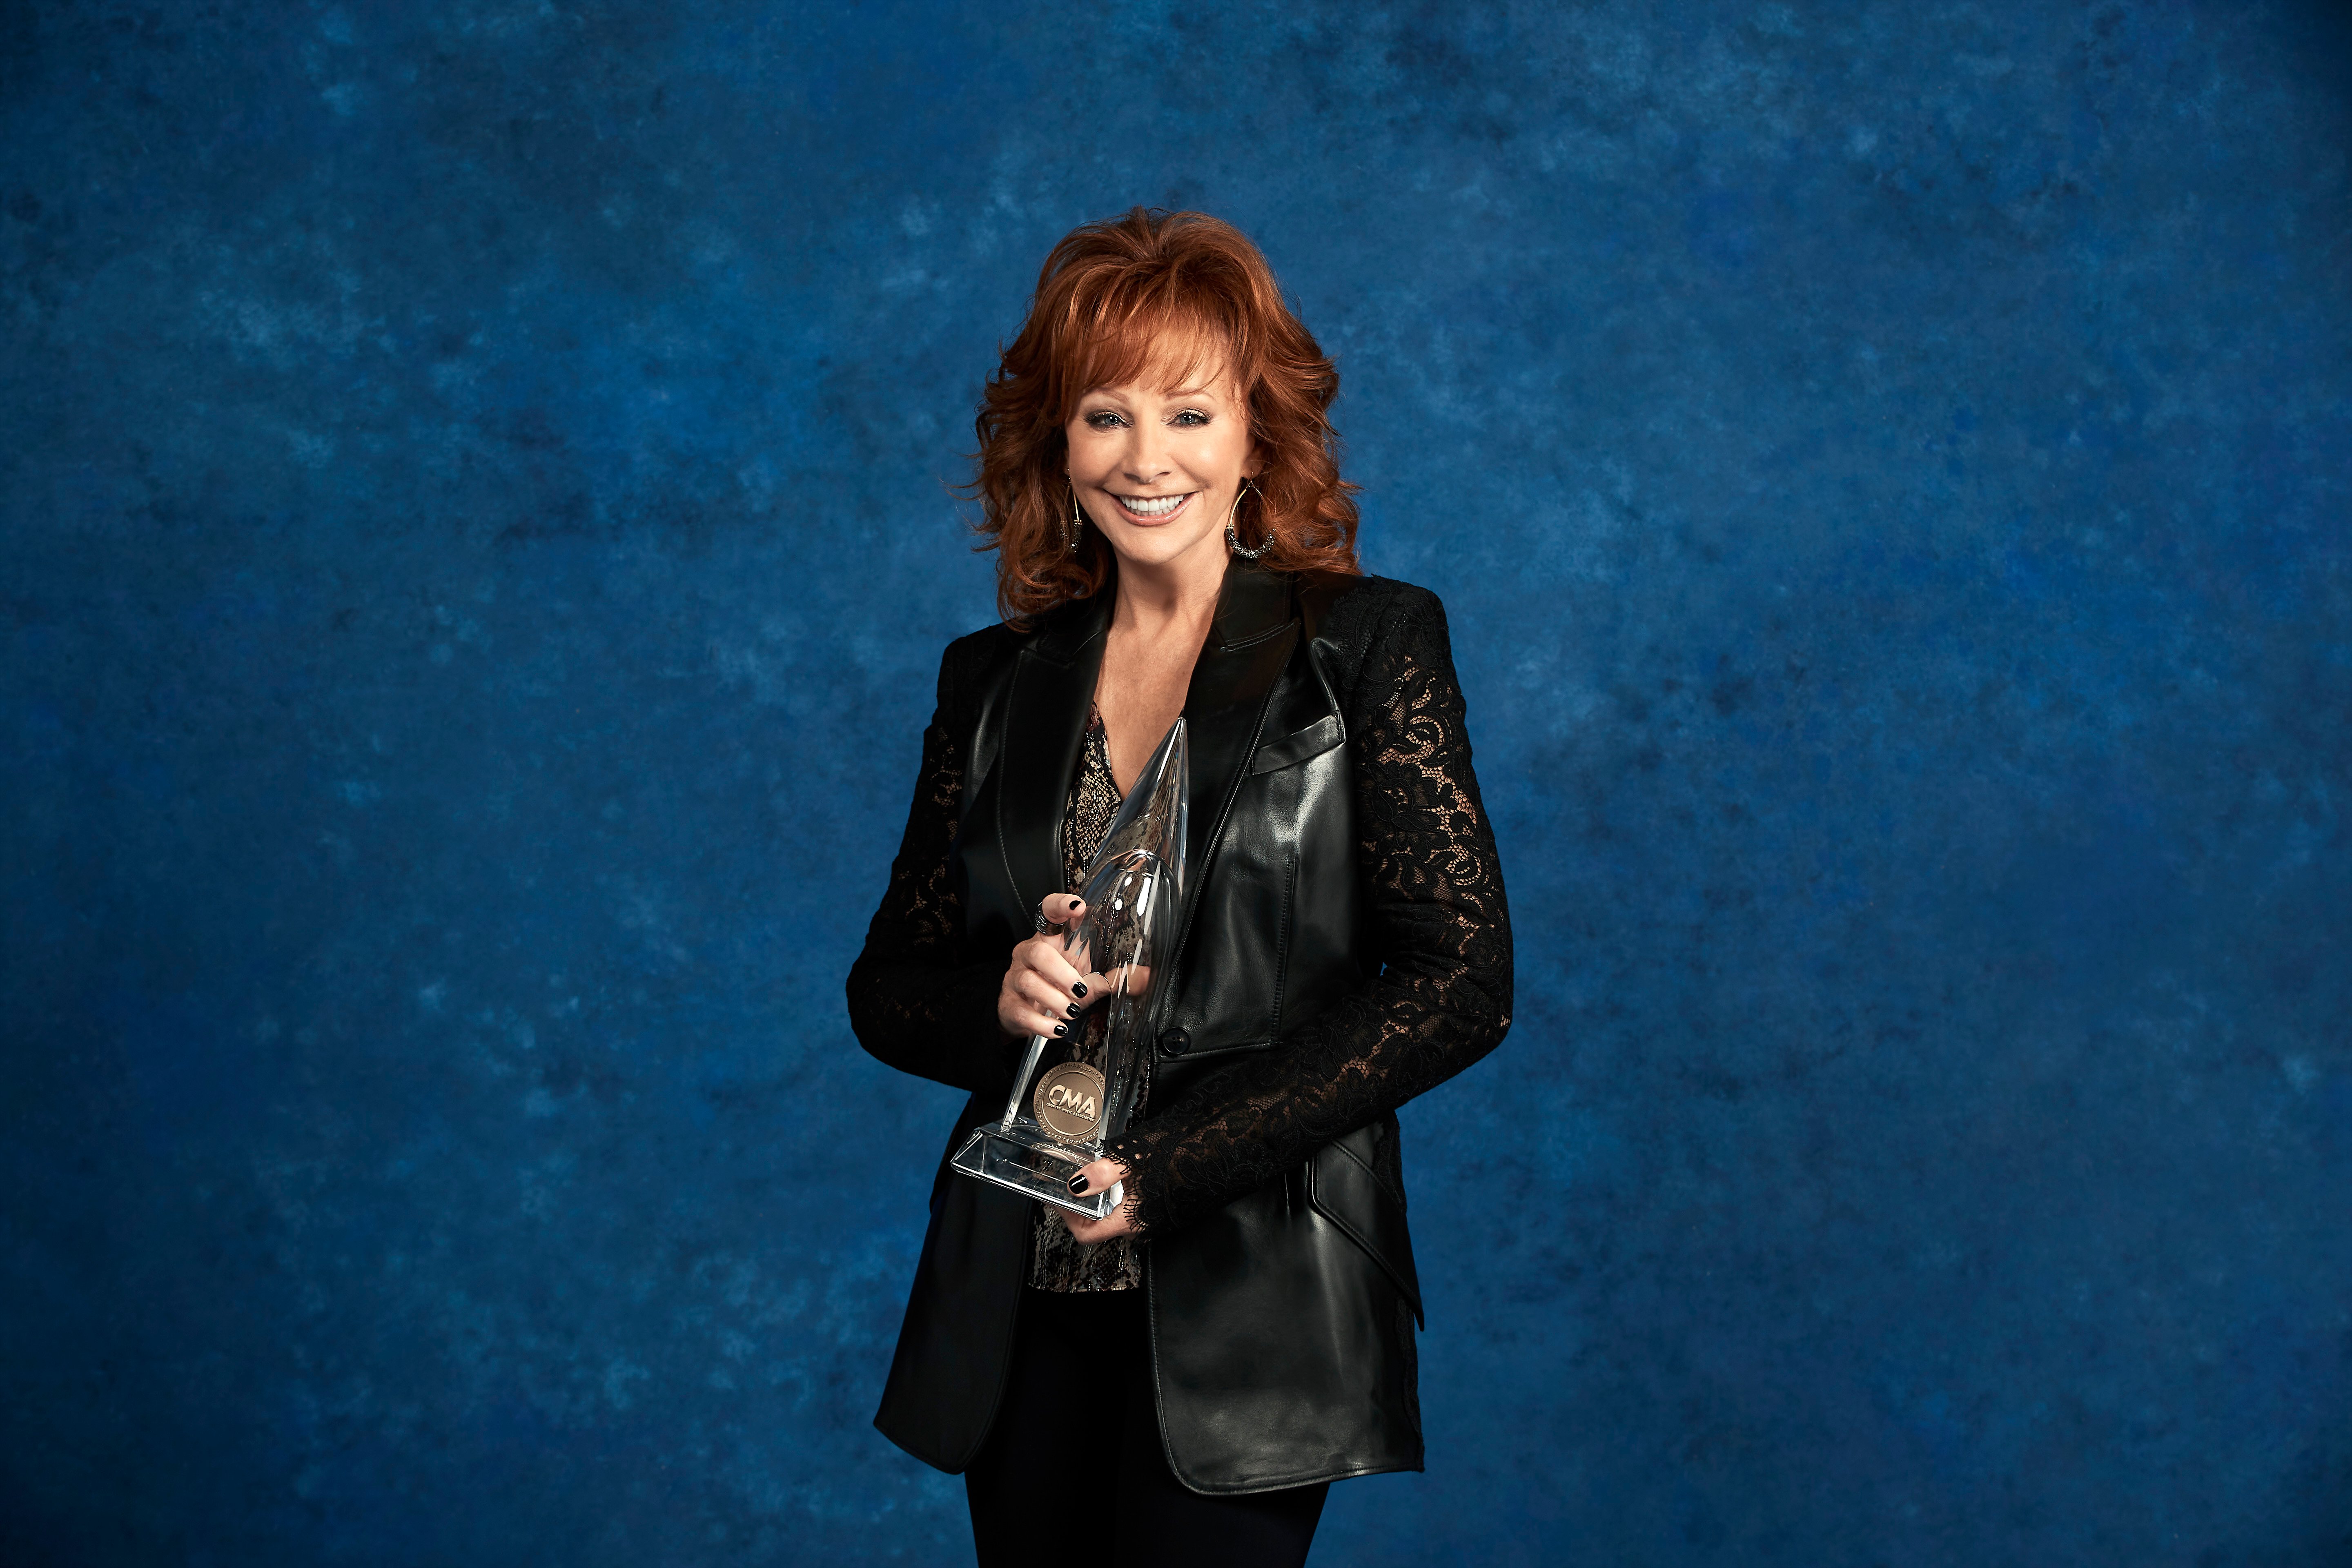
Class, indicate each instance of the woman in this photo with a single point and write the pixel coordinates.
(1181, 1379)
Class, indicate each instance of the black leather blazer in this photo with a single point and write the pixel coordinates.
(1282, 1323)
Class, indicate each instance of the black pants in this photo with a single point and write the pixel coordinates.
(1073, 1469)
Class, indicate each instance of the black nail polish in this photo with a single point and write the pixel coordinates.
(1076, 903)
(1060, 1030)
(1078, 1184)
(1077, 988)
(1075, 1009)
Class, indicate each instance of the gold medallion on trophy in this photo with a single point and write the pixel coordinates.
(1069, 1102)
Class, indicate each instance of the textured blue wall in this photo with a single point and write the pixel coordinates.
(475, 556)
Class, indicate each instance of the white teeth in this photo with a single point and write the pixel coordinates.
(1155, 506)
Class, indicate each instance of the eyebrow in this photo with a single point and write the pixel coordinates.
(1105, 392)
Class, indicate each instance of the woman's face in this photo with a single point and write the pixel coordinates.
(1158, 462)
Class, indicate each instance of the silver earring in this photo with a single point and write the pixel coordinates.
(1077, 522)
(1233, 539)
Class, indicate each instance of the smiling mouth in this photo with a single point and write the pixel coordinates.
(1153, 508)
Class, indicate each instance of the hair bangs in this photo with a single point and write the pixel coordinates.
(1165, 335)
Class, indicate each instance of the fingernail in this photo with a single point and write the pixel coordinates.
(1077, 988)
(1078, 1184)
(1075, 1009)
(1076, 903)
(1060, 1030)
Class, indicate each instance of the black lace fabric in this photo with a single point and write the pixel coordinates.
(909, 1003)
(1435, 910)
(1441, 930)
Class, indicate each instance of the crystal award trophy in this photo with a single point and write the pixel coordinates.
(1058, 1119)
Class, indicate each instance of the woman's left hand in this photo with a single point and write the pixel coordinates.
(1097, 1177)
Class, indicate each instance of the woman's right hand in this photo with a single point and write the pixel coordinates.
(1043, 992)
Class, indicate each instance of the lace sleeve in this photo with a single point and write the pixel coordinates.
(1441, 932)
(911, 1004)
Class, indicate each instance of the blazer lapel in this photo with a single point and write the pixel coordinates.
(1045, 720)
(1257, 628)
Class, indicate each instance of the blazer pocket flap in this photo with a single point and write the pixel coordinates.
(1343, 1190)
(1298, 746)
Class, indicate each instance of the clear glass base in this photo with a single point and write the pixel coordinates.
(1019, 1155)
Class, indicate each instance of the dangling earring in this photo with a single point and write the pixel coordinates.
(1076, 523)
(1233, 539)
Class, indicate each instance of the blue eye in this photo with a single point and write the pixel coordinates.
(1192, 416)
(1103, 419)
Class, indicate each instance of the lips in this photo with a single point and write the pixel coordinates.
(1153, 508)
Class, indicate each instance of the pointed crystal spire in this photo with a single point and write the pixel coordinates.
(1151, 819)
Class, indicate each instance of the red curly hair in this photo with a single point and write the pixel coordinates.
(1110, 299)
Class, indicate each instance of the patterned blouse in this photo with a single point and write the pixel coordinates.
(1056, 1261)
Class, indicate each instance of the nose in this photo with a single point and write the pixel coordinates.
(1147, 455)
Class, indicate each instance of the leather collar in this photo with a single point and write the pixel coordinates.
(1252, 602)
(1064, 631)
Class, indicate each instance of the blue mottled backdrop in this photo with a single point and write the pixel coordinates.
(476, 544)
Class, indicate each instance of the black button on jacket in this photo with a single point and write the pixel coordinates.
(1344, 945)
